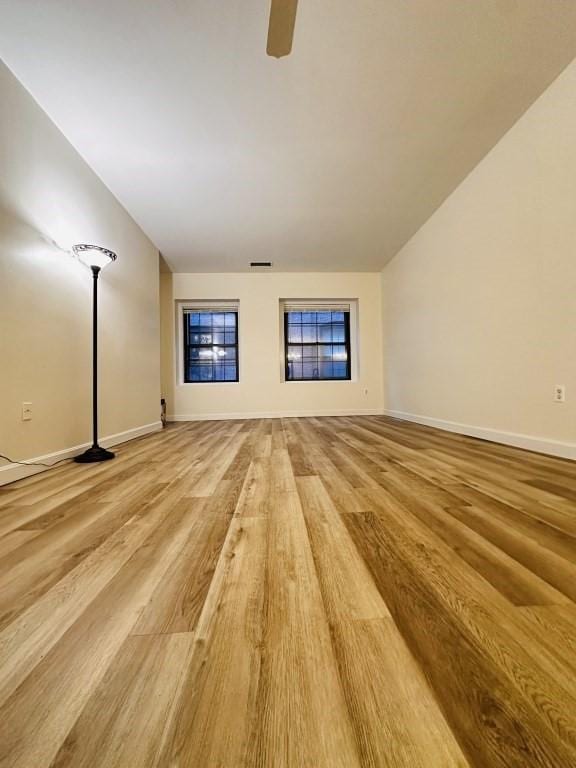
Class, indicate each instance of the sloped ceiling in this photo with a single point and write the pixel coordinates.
(329, 159)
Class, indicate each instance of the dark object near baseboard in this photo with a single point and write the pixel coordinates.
(94, 454)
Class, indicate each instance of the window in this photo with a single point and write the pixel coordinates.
(317, 342)
(210, 345)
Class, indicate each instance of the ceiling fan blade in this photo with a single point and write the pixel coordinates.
(281, 27)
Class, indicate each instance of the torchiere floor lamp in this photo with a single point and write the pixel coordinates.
(95, 257)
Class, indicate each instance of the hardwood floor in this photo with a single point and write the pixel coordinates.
(311, 593)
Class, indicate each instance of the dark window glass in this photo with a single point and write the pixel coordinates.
(210, 346)
(317, 345)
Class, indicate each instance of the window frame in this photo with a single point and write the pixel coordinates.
(347, 342)
(213, 306)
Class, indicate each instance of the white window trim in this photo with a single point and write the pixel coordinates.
(354, 340)
(232, 305)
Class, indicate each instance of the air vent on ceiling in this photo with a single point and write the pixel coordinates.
(260, 263)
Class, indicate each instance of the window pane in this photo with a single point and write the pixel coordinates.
(310, 370)
(205, 373)
(210, 347)
(339, 370)
(225, 354)
(326, 370)
(317, 345)
(339, 352)
(206, 354)
(308, 333)
(220, 372)
(295, 370)
(309, 351)
(294, 353)
(294, 333)
(338, 333)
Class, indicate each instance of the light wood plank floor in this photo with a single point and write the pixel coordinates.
(310, 592)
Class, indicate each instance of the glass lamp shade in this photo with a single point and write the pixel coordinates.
(93, 255)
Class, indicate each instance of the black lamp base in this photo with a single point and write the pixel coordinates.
(93, 454)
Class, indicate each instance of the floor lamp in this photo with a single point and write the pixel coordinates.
(96, 258)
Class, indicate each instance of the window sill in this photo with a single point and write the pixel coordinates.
(318, 381)
(204, 383)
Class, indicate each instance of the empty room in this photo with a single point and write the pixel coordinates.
(288, 384)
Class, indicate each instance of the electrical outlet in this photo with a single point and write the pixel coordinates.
(26, 411)
(559, 393)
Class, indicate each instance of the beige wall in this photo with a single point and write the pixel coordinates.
(260, 390)
(47, 193)
(480, 306)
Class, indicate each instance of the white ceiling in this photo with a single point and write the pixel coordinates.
(329, 159)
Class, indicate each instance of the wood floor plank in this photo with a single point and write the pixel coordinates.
(18, 515)
(518, 584)
(503, 708)
(541, 528)
(214, 467)
(125, 720)
(301, 714)
(555, 570)
(254, 500)
(28, 639)
(347, 584)
(14, 540)
(281, 474)
(27, 572)
(396, 719)
(555, 628)
(179, 598)
(35, 720)
(222, 672)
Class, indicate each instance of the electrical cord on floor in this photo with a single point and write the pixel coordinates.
(32, 463)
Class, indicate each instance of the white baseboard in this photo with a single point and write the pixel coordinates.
(270, 415)
(528, 442)
(11, 472)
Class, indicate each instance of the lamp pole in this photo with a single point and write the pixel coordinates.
(96, 258)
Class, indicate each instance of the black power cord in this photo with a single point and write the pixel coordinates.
(31, 463)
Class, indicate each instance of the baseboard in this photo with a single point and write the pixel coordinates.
(11, 472)
(527, 442)
(271, 415)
